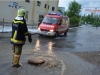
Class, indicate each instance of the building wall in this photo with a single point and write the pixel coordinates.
(39, 10)
(43, 10)
(53, 3)
(9, 13)
(28, 7)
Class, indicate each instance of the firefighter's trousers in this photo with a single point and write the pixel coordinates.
(17, 50)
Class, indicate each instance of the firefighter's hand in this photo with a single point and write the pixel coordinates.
(29, 38)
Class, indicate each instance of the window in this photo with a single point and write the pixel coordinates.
(53, 8)
(60, 22)
(45, 5)
(38, 3)
(67, 20)
(50, 20)
(27, 1)
(63, 21)
(48, 6)
(40, 18)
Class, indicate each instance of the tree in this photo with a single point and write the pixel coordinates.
(65, 13)
(74, 21)
(92, 19)
(73, 12)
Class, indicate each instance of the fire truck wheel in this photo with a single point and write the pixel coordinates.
(66, 32)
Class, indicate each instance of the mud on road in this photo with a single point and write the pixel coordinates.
(91, 57)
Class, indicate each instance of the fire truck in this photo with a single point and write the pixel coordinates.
(54, 24)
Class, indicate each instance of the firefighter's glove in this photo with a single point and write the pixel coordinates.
(29, 38)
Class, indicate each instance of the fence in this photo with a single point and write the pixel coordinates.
(7, 23)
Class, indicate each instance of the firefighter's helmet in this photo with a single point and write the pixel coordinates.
(21, 12)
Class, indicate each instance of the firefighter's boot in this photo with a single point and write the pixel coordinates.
(13, 58)
(16, 59)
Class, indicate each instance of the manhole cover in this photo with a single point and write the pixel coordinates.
(36, 61)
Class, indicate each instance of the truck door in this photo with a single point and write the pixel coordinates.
(64, 25)
(59, 26)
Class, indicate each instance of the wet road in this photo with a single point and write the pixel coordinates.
(84, 38)
(79, 39)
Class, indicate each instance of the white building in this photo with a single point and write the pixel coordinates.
(34, 9)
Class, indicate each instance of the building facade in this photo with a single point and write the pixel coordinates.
(35, 9)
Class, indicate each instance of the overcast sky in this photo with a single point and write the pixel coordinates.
(84, 3)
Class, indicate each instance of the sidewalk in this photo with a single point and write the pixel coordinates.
(32, 29)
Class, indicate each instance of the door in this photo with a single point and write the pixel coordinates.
(59, 26)
(64, 25)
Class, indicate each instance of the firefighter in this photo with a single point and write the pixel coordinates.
(19, 31)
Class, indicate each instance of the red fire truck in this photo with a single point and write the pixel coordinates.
(54, 24)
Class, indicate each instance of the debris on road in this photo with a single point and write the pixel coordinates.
(91, 57)
(36, 61)
(48, 61)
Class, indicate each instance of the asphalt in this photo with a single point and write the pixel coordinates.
(78, 40)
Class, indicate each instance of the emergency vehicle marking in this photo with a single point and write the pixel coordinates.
(48, 26)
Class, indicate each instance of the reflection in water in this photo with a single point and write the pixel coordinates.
(49, 51)
(37, 46)
(47, 47)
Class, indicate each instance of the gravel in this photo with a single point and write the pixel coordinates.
(91, 57)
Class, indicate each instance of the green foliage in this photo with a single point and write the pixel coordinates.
(65, 13)
(92, 19)
(74, 21)
(73, 13)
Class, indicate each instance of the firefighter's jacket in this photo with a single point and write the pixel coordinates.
(19, 30)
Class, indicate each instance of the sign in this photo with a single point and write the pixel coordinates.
(47, 26)
(92, 10)
(10, 4)
(13, 4)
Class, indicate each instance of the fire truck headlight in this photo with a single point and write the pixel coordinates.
(39, 29)
(52, 30)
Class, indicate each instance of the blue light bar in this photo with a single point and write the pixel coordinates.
(55, 13)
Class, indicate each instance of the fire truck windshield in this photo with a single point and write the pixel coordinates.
(50, 20)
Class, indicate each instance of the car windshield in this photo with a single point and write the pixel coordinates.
(50, 20)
